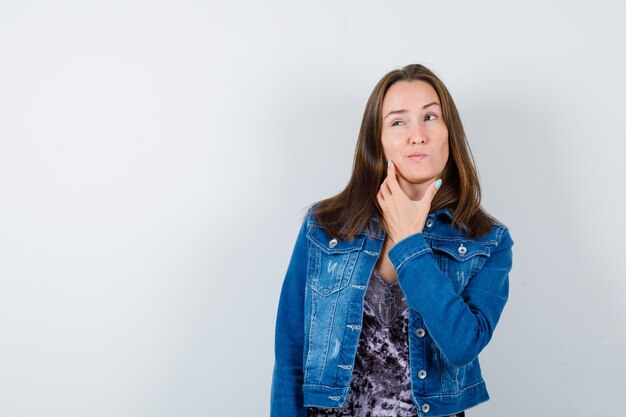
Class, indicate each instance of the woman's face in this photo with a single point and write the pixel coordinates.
(414, 135)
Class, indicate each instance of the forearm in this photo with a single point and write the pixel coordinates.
(288, 376)
(460, 324)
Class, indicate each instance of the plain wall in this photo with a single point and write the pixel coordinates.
(156, 157)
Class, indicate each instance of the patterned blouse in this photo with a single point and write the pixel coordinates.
(381, 380)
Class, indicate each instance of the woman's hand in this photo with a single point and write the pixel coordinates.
(403, 217)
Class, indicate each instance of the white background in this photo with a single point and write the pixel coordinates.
(156, 157)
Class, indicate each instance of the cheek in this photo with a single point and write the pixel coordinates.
(444, 153)
(389, 149)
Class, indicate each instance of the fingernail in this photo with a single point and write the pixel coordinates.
(438, 183)
(389, 163)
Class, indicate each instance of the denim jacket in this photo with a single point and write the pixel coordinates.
(455, 289)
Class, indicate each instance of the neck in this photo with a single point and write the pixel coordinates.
(414, 191)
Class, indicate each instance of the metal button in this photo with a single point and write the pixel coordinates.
(420, 333)
(332, 243)
(426, 408)
(462, 250)
(429, 223)
(421, 374)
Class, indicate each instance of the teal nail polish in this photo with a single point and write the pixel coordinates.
(438, 183)
(389, 163)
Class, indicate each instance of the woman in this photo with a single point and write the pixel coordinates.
(397, 283)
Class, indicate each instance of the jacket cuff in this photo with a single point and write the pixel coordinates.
(408, 248)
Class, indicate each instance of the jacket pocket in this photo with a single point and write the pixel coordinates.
(460, 259)
(331, 261)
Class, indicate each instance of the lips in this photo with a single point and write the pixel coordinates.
(416, 156)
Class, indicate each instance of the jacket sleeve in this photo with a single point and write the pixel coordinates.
(461, 325)
(288, 375)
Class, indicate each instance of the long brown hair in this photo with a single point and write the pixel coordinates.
(351, 210)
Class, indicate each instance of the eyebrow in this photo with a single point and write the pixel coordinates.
(434, 103)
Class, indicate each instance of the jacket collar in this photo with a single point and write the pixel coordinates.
(443, 211)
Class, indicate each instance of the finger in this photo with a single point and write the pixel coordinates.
(431, 191)
(392, 178)
(384, 188)
(381, 200)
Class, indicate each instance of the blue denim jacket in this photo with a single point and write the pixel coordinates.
(455, 289)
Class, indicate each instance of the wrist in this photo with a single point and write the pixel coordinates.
(407, 233)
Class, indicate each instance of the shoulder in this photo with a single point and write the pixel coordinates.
(500, 234)
(315, 232)
(344, 224)
(309, 216)
(310, 222)
(495, 232)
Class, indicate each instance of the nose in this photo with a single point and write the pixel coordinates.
(417, 136)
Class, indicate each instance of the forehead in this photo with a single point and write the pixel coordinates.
(404, 94)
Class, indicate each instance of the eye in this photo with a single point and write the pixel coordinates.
(396, 123)
(430, 117)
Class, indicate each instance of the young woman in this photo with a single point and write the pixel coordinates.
(396, 284)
